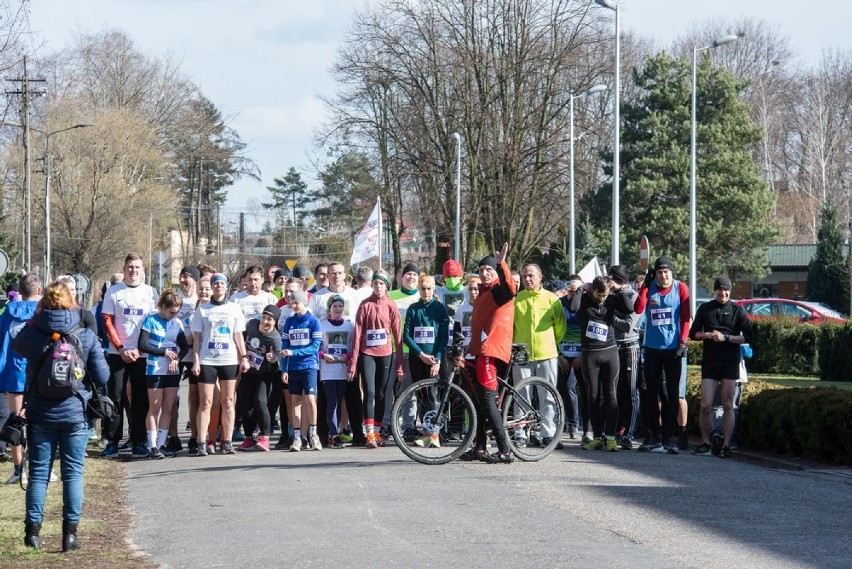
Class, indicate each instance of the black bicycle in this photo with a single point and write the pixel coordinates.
(434, 420)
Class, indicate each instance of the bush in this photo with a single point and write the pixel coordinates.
(835, 357)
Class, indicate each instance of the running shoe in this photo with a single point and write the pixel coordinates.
(626, 443)
(346, 436)
(410, 435)
(587, 438)
(499, 457)
(201, 451)
(111, 450)
(335, 442)
(155, 454)
(725, 452)
(262, 444)
(371, 441)
(650, 444)
(431, 441)
(612, 445)
(93, 434)
(547, 440)
(534, 441)
(380, 440)
(594, 444)
(167, 452)
(571, 431)
(227, 447)
(283, 443)
(519, 441)
(16, 476)
(717, 444)
(125, 446)
(249, 444)
(141, 451)
(297, 444)
(474, 454)
(672, 448)
(683, 439)
(702, 450)
(659, 448)
(174, 445)
(211, 448)
(238, 436)
(315, 443)
(192, 446)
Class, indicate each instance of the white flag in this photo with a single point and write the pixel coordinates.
(590, 271)
(367, 240)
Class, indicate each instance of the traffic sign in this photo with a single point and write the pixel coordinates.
(644, 253)
(83, 283)
(4, 262)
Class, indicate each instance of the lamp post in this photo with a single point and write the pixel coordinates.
(47, 172)
(692, 154)
(571, 223)
(616, 143)
(457, 137)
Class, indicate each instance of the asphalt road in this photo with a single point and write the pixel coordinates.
(581, 509)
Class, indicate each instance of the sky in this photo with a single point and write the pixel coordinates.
(264, 63)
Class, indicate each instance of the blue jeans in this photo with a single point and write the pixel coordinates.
(42, 440)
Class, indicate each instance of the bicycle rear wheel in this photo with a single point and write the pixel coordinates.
(429, 432)
(534, 415)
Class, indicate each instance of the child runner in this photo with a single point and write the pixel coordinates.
(301, 339)
(162, 337)
(337, 336)
(263, 345)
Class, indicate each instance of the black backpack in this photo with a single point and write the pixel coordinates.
(60, 371)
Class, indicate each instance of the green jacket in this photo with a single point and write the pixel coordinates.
(539, 323)
(426, 328)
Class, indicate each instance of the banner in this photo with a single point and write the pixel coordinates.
(367, 242)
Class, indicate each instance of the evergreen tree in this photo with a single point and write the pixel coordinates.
(734, 204)
(290, 194)
(828, 273)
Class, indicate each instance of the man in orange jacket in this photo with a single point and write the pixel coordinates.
(491, 331)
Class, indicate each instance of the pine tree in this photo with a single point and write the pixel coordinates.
(828, 273)
(290, 194)
(734, 204)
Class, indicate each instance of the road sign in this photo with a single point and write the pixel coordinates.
(291, 263)
(644, 253)
(4, 262)
(83, 283)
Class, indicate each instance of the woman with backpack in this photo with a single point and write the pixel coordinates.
(59, 354)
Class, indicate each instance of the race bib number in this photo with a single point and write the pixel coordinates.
(377, 337)
(661, 316)
(131, 312)
(424, 335)
(300, 337)
(255, 360)
(338, 350)
(570, 349)
(597, 331)
(466, 334)
(218, 345)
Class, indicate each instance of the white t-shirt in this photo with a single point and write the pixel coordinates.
(129, 306)
(318, 304)
(463, 315)
(337, 341)
(217, 325)
(252, 305)
(187, 309)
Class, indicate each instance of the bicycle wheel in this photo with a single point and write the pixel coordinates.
(433, 423)
(534, 415)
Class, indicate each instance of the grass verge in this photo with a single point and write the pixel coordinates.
(102, 530)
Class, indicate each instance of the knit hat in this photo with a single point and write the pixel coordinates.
(217, 277)
(452, 268)
(409, 268)
(382, 277)
(300, 296)
(619, 274)
(281, 273)
(722, 282)
(273, 312)
(191, 272)
(489, 261)
(663, 263)
(301, 272)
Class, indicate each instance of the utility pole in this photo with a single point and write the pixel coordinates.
(26, 92)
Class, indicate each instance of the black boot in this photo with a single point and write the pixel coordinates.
(31, 538)
(69, 536)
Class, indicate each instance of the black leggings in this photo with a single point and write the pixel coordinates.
(120, 373)
(656, 363)
(600, 368)
(376, 371)
(255, 389)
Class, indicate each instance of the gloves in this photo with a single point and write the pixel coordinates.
(649, 278)
(681, 351)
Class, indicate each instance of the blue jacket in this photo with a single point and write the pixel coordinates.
(303, 336)
(29, 344)
(13, 368)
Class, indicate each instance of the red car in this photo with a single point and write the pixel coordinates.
(812, 312)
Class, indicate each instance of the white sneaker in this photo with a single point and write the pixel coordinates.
(315, 443)
(297, 444)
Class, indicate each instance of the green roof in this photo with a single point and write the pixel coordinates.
(794, 256)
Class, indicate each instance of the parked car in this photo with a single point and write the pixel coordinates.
(813, 312)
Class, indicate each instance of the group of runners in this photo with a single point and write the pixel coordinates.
(317, 355)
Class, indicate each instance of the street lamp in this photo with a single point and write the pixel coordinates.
(692, 153)
(47, 135)
(616, 150)
(571, 241)
(457, 137)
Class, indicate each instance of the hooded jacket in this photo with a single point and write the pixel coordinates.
(30, 343)
(13, 373)
(493, 317)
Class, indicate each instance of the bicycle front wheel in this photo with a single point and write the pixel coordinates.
(433, 423)
(534, 416)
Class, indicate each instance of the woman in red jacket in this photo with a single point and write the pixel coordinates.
(378, 332)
